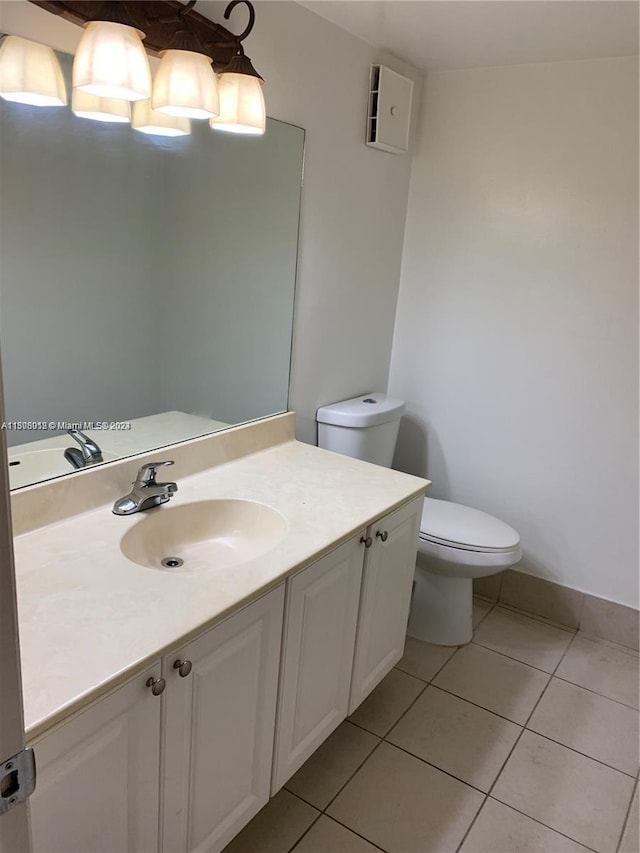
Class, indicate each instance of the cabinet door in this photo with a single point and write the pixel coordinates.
(386, 594)
(219, 725)
(98, 776)
(318, 642)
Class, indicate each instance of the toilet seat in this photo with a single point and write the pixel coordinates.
(451, 525)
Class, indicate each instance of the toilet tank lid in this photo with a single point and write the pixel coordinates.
(367, 410)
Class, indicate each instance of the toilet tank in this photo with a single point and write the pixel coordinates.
(364, 427)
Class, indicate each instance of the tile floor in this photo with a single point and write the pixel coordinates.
(524, 740)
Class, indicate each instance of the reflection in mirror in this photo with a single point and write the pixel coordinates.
(146, 283)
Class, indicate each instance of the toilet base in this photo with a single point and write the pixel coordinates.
(441, 609)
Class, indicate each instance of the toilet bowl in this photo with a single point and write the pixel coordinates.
(456, 543)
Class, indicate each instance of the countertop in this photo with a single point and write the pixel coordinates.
(90, 618)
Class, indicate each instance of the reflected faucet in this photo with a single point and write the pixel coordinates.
(146, 492)
(87, 454)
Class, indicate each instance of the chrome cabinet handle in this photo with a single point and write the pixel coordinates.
(157, 685)
(384, 535)
(183, 667)
(367, 541)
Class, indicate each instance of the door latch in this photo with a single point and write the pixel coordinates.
(17, 779)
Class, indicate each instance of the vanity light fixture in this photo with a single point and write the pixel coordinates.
(86, 105)
(185, 85)
(154, 123)
(192, 48)
(242, 108)
(110, 60)
(30, 73)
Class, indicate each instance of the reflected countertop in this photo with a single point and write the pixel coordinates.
(90, 618)
(43, 459)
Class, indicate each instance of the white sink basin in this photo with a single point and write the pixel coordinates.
(32, 466)
(215, 534)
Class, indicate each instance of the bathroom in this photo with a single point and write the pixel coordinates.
(489, 278)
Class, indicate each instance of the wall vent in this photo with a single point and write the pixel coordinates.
(389, 113)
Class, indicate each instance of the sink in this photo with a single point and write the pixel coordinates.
(213, 534)
(31, 466)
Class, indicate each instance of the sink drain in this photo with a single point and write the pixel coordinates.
(172, 562)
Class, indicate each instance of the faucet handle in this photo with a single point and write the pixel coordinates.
(147, 473)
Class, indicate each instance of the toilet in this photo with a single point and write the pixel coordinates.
(456, 543)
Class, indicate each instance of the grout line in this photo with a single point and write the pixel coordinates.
(517, 660)
(583, 754)
(627, 816)
(364, 838)
(435, 767)
(595, 693)
(544, 620)
(342, 787)
(541, 823)
(429, 680)
(313, 823)
(481, 707)
(610, 644)
(484, 616)
(410, 674)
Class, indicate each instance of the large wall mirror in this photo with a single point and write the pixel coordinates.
(146, 284)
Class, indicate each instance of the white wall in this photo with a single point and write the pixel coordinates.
(353, 203)
(516, 339)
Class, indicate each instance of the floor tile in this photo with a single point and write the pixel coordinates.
(462, 739)
(495, 682)
(525, 639)
(631, 838)
(422, 660)
(499, 829)
(403, 805)
(382, 709)
(332, 765)
(589, 723)
(480, 610)
(276, 828)
(602, 667)
(327, 836)
(568, 792)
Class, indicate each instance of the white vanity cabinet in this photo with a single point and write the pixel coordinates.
(317, 655)
(387, 581)
(219, 722)
(182, 770)
(98, 775)
(345, 624)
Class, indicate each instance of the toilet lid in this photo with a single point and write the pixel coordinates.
(463, 527)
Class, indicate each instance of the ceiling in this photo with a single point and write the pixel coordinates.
(449, 34)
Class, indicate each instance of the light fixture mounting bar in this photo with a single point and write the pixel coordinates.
(157, 19)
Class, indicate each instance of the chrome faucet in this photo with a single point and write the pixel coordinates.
(87, 454)
(146, 492)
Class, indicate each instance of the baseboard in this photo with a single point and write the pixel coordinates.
(595, 617)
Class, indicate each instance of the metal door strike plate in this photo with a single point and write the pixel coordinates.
(17, 779)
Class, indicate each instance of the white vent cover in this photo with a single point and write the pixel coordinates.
(389, 112)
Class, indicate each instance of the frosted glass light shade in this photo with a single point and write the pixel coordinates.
(30, 74)
(86, 105)
(111, 62)
(185, 85)
(242, 107)
(146, 120)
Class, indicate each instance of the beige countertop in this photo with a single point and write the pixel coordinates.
(90, 618)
